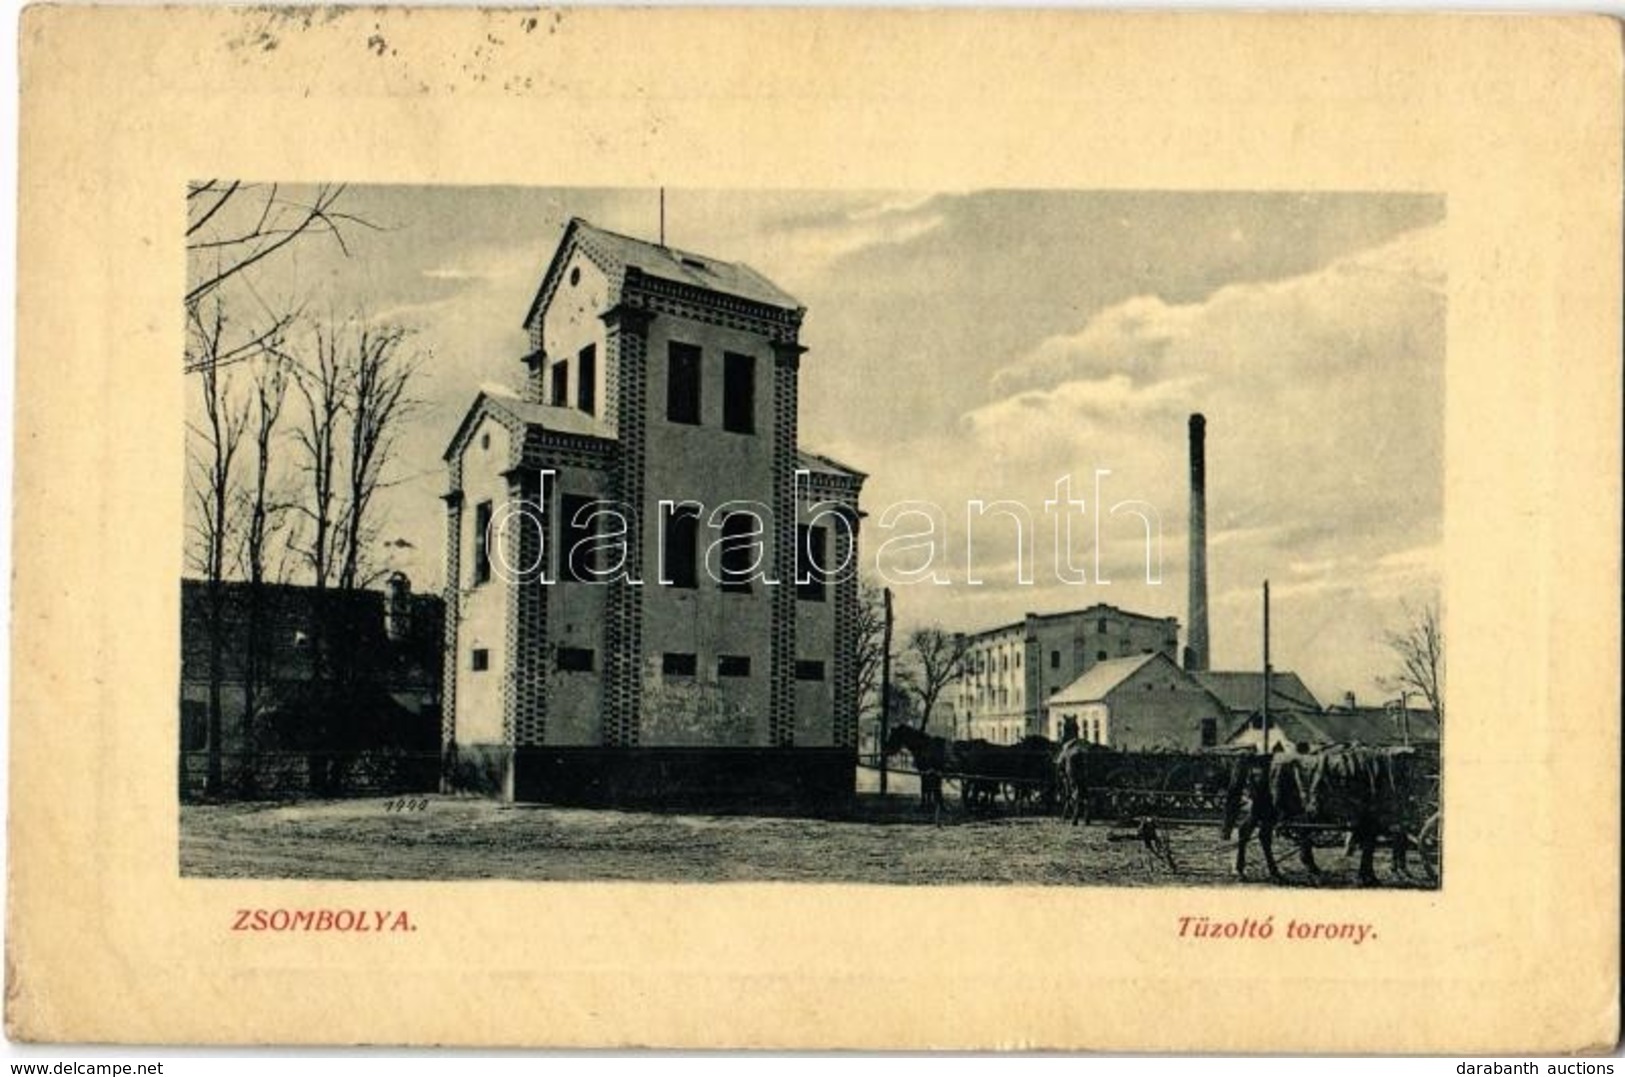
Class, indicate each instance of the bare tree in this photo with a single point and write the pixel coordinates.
(936, 659)
(1418, 648)
(264, 515)
(871, 638)
(232, 226)
(379, 373)
(213, 451)
(319, 379)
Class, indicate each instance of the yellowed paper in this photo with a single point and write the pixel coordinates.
(1513, 122)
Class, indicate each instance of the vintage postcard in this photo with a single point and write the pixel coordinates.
(718, 521)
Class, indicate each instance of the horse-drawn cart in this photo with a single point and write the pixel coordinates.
(1169, 786)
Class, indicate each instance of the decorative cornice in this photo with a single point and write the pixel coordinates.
(627, 318)
(788, 353)
(717, 308)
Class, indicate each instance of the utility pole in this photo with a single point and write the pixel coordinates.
(885, 688)
(1405, 717)
(1265, 740)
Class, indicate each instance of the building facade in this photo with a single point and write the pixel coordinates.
(1143, 702)
(651, 588)
(305, 672)
(1011, 671)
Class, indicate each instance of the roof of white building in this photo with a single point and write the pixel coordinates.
(1102, 677)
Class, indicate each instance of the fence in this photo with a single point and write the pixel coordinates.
(287, 775)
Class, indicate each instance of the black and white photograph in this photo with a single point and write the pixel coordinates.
(818, 530)
(1039, 537)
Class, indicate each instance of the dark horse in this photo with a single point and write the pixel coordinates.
(1072, 777)
(1367, 791)
(930, 755)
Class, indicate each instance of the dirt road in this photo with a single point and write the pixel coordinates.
(465, 838)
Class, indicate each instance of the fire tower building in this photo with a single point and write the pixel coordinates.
(651, 589)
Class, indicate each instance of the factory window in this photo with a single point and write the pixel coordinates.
(482, 543)
(481, 660)
(739, 393)
(810, 570)
(561, 384)
(575, 659)
(194, 725)
(739, 551)
(681, 564)
(673, 664)
(1210, 732)
(809, 669)
(578, 556)
(587, 380)
(733, 665)
(1055, 660)
(683, 383)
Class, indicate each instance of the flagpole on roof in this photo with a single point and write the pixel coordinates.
(662, 216)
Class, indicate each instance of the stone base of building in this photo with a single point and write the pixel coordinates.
(769, 781)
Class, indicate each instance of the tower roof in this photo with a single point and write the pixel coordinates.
(616, 254)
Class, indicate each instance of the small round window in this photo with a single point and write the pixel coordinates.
(575, 276)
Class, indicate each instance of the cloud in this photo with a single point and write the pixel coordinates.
(813, 244)
(1324, 399)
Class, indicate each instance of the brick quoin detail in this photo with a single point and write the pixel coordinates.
(527, 618)
(845, 694)
(627, 353)
(452, 595)
(781, 713)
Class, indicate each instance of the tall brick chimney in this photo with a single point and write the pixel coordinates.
(1196, 649)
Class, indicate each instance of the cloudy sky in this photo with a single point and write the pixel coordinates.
(986, 345)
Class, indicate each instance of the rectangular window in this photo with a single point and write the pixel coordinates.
(194, 725)
(577, 555)
(810, 568)
(733, 665)
(1055, 660)
(683, 383)
(682, 534)
(677, 665)
(739, 551)
(561, 384)
(587, 380)
(739, 393)
(482, 540)
(1210, 732)
(1102, 625)
(575, 660)
(481, 660)
(809, 669)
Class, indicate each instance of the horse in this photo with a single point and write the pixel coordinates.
(1018, 771)
(1072, 778)
(930, 755)
(1366, 790)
